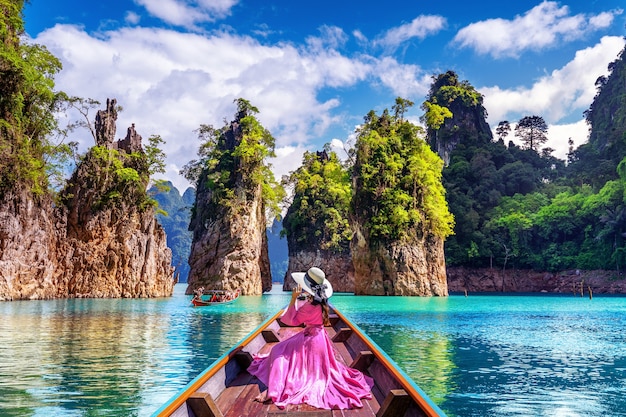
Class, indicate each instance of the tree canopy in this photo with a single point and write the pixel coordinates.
(318, 216)
(233, 161)
(532, 132)
(398, 194)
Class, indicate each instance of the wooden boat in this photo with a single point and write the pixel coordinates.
(226, 389)
(216, 297)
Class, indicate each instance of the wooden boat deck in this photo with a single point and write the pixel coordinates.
(238, 398)
(226, 389)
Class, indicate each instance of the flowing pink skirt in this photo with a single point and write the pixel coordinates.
(303, 369)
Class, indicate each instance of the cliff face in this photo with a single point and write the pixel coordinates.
(337, 267)
(28, 248)
(99, 243)
(399, 269)
(230, 252)
(468, 123)
(522, 281)
(229, 248)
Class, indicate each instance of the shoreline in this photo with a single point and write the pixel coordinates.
(494, 280)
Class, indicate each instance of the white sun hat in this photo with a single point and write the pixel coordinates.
(311, 279)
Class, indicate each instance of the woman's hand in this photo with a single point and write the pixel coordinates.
(294, 294)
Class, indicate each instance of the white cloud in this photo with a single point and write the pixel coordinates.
(169, 83)
(404, 80)
(558, 94)
(541, 27)
(420, 27)
(132, 18)
(188, 13)
(559, 136)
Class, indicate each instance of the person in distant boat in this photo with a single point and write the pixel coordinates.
(197, 294)
(303, 368)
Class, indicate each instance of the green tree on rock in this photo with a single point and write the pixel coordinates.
(398, 193)
(318, 217)
(233, 162)
(28, 104)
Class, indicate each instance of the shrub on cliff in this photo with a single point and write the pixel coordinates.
(233, 163)
(28, 104)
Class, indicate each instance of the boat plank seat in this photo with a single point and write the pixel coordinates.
(396, 404)
(202, 405)
(363, 360)
(342, 334)
(243, 358)
(270, 335)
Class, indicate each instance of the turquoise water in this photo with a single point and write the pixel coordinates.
(474, 356)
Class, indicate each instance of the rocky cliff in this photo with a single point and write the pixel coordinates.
(337, 267)
(416, 268)
(521, 281)
(101, 241)
(229, 248)
(29, 247)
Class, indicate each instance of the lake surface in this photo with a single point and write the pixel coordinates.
(481, 355)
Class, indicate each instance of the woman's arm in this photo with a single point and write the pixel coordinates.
(289, 318)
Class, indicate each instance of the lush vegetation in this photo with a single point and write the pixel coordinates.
(28, 104)
(521, 207)
(391, 185)
(318, 215)
(398, 194)
(33, 150)
(233, 163)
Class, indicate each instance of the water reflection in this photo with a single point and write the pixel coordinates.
(109, 357)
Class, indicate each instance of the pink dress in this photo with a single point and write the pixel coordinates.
(303, 368)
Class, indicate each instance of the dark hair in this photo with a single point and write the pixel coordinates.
(325, 308)
(325, 314)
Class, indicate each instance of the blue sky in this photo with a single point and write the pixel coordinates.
(314, 69)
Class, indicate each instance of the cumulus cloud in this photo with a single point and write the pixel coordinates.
(188, 13)
(132, 18)
(565, 91)
(559, 136)
(559, 93)
(170, 82)
(405, 80)
(420, 27)
(544, 26)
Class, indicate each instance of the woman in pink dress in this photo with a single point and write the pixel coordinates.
(303, 368)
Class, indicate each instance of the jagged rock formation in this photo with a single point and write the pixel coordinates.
(400, 218)
(229, 248)
(400, 268)
(316, 223)
(468, 122)
(105, 126)
(337, 267)
(230, 252)
(102, 242)
(29, 247)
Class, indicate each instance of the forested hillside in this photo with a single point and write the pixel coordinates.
(518, 206)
